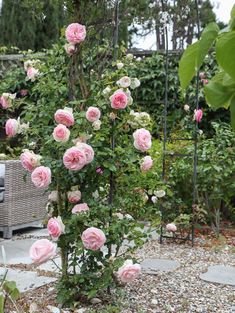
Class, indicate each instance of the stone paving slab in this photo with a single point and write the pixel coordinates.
(153, 266)
(220, 274)
(26, 280)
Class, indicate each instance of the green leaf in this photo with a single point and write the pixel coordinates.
(225, 48)
(217, 95)
(232, 112)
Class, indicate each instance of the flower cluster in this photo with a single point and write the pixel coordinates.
(6, 100)
(75, 33)
(31, 69)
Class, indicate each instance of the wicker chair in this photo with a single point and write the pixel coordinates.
(21, 204)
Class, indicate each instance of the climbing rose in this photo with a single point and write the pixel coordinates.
(41, 177)
(93, 114)
(12, 127)
(128, 272)
(70, 48)
(6, 99)
(79, 208)
(42, 250)
(124, 82)
(74, 159)
(171, 227)
(198, 115)
(93, 238)
(87, 150)
(96, 125)
(119, 100)
(30, 160)
(142, 139)
(75, 33)
(64, 117)
(74, 196)
(146, 163)
(61, 133)
(55, 227)
(32, 73)
(53, 196)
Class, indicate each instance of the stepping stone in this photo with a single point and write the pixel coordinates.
(220, 274)
(26, 280)
(153, 266)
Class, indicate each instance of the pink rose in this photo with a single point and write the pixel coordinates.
(119, 100)
(128, 272)
(53, 196)
(79, 208)
(171, 227)
(74, 159)
(5, 102)
(42, 250)
(30, 160)
(12, 127)
(70, 48)
(93, 114)
(87, 150)
(93, 238)
(74, 196)
(61, 133)
(198, 115)
(142, 139)
(99, 170)
(75, 33)
(55, 227)
(23, 92)
(32, 73)
(204, 81)
(146, 163)
(64, 117)
(41, 177)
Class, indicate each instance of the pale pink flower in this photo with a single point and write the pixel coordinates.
(61, 133)
(75, 33)
(80, 208)
(42, 250)
(124, 82)
(53, 196)
(142, 139)
(198, 115)
(93, 114)
(202, 75)
(119, 100)
(93, 238)
(74, 196)
(74, 159)
(55, 227)
(41, 177)
(12, 127)
(6, 100)
(204, 81)
(30, 160)
(99, 170)
(70, 48)
(128, 272)
(96, 125)
(171, 227)
(64, 117)
(146, 163)
(24, 92)
(32, 73)
(87, 150)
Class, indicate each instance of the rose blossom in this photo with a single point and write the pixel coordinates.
(93, 238)
(93, 114)
(75, 33)
(198, 115)
(142, 139)
(53, 196)
(64, 117)
(129, 271)
(32, 73)
(202, 75)
(23, 92)
(41, 177)
(120, 65)
(61, 133)
(124, 82)
(87, 150)
(42, 250)
(146, 163)
(171, 227)
(74, 196)
(12, 127)
(6, 99)
(55, 227)
(119, 100)
(99, 170)
(186, 107)
(96, 125)
(135, 83)
(30, 160)
(74, 159)
(154, 199)
(79, 208)
(204, 81)
(70, 48)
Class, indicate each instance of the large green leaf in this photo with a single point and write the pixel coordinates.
(194, 55)
(232, 112)
(225, 48)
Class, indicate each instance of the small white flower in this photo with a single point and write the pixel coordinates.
(200, 132)
(154, 199)
(186, 107)
(119, 215)
(151, 5)
(120, 65)
(130, 56)
(106, 91)
(160, 193)
(96, 125)
(124, 82)
(135, 83)
(138, 59)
